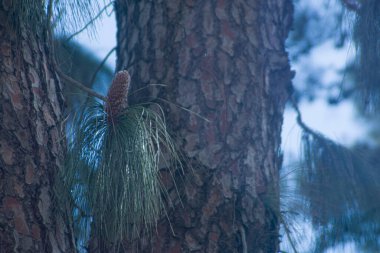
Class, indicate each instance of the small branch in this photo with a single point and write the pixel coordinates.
(243, 239)
(299, 118)
(79, 85)
(101, 65)
(90, 22)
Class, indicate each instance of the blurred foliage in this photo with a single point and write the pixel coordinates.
(366, 37)
(337, 187)
(67, 16)
(316, 25)
(341, 186)
(330, 21)
(348, 205)
(313, 25)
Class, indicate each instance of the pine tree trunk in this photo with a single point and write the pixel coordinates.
(31, 141)
(226, 61)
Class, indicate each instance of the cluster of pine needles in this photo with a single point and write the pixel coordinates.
(112, 170)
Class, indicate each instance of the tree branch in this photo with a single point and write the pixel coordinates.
(79, 85)
(243, 239)
(299, 118)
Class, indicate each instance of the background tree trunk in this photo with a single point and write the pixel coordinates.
(226, 61)
(31, 140)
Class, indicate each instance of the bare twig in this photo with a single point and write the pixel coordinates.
(79, 85)
(243, 239)
(299, 118)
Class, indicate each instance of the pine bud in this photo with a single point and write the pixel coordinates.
(117, 97)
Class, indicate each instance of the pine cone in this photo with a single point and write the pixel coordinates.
(117, 97)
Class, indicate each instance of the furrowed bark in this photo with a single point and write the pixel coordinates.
(226, 61)
(31, 141)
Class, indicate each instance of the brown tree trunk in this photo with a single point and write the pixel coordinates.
(31, 141)
(226, 61)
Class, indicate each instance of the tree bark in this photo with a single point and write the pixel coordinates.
(226, 61)
(31, 141)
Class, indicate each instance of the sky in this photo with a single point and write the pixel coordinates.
(336, 122)
(103, 39)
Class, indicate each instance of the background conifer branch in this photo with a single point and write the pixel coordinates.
(91, 21)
